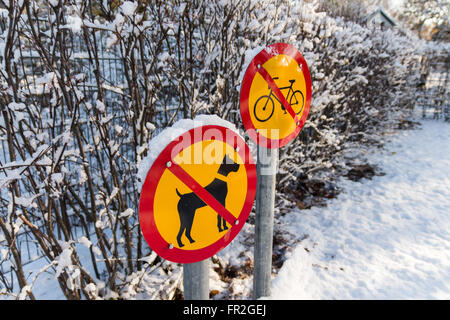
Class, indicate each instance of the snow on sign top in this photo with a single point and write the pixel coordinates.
(160, 142)
(275, 95)
(206, 172)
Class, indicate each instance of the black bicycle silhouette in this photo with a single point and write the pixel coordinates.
(265, 105)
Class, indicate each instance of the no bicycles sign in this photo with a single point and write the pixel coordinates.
(197, 194)
(275, 95)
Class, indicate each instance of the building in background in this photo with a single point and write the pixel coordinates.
(379, 17)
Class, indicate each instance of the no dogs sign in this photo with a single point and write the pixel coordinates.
(275, 95)
(197, 194)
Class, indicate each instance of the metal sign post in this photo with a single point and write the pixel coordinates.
(196, 280)
(274, 103)
(266, 167)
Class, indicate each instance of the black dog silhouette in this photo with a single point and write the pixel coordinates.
(190, 202)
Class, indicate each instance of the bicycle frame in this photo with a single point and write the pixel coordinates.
(271, 94)
(265, 114)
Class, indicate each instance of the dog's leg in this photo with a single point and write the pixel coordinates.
(188, 229)
(222, 202)
(180, 233)
(219, 222)
(182, 214)
(225, 227)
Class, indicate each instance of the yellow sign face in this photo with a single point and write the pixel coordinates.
(198, 194)
(175, 202)
(268, 112)
(275, 95)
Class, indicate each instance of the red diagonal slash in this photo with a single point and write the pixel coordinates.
(263, 72)
(181, 174)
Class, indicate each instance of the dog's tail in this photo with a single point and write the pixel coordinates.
(179, 194)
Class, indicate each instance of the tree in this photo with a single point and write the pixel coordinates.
(422, 16)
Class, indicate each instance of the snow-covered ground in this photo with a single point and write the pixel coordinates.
(385, 238)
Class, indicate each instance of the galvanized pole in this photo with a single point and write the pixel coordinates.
(267, 163)
(196, 280)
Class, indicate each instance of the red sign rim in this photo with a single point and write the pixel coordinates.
(252, 70)
(146, 214)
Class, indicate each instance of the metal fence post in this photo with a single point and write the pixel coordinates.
(267, 163)
(196, 280)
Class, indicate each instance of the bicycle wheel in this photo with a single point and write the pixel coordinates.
(297, 101)
(263, 109)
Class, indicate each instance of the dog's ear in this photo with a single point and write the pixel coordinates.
(227, 160)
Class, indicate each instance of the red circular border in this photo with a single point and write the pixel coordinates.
(146, 214)
(260, 59)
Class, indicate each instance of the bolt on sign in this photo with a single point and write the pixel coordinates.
(275, 95)
(198, 194)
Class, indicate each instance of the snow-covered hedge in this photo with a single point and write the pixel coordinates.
(85, 84)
